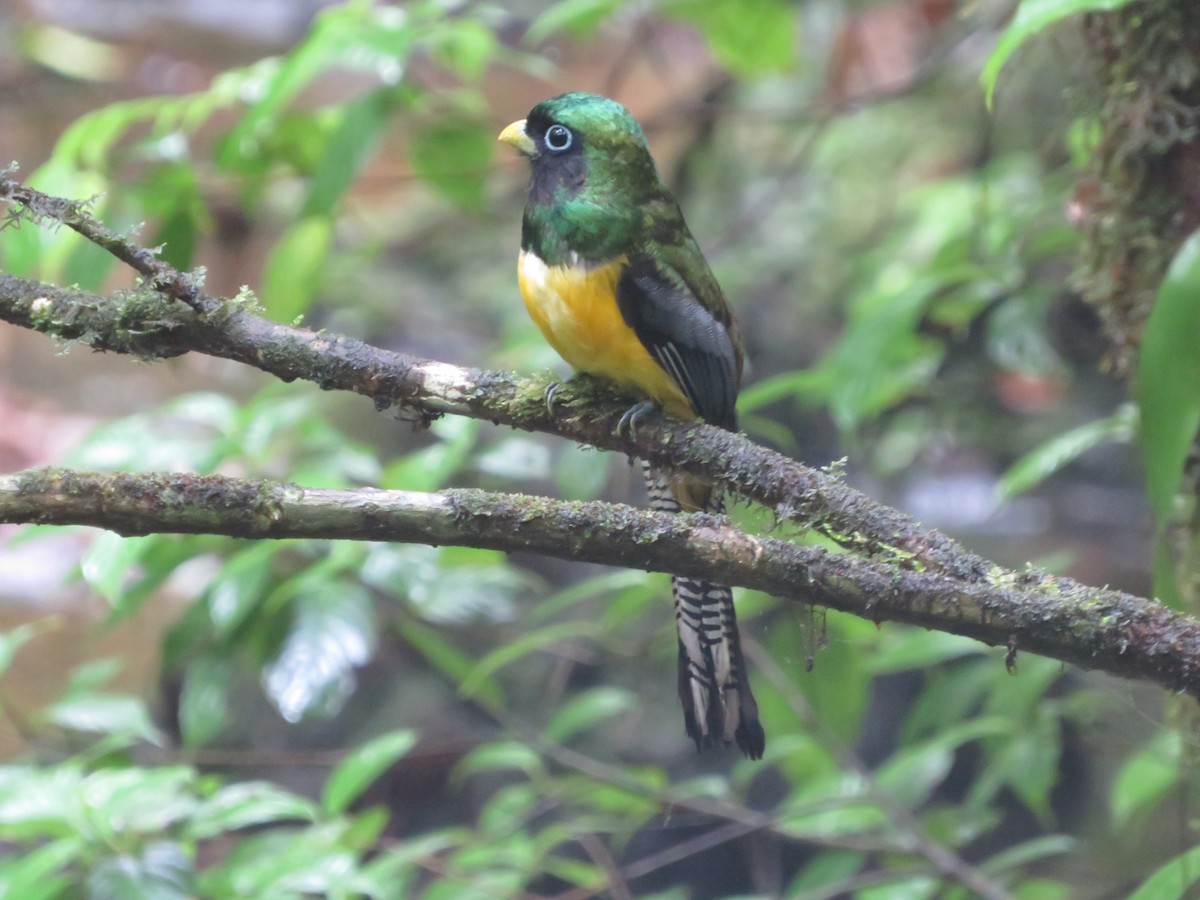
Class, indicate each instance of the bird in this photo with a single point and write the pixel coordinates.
(614, 280)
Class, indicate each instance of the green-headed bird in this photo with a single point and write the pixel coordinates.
(619, 287)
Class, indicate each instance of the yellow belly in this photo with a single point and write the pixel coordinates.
(576, 310)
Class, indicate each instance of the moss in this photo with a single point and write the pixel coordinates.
(1141, 195)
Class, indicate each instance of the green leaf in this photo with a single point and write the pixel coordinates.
(286, 863)
(748, 37)
(1173, 880)
(447, 584)
(41, 873)
(351, 35)
(1168, 381)
(1168, 393)
(139, 801)
(1055, 454)
(510, 805)
(827, 871)
(361, 767)
(240, 586)
(901, 887)
(881, 357)
(364, 829)
(1145, 779)
(162, 871)
(1032, 17)
(292, 275)
(1027, 762)
(110, 563)
(432, 467)
(500, 756)
(901, 649)
(855, 817)
(449, 660)
(204, 700)
(332, 632)
(912, 773)
(39, 803)
(1043, 889)
(170, 193)
(453, 155)
(521, 646)
(951, 694)
(585, 711)
(393, 871)
(114, 714)
(20, 250)
(464, 45)
(578, 18)
(247, 804)
(573, 871)
(355, 137)
(1029, 851)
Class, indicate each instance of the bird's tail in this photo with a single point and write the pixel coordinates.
(714, 686)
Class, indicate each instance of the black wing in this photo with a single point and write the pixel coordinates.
(691, 344)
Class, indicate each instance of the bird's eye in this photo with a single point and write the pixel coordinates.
(559, 139)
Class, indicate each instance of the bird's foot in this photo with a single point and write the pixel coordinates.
(627, 425)
(550, 395)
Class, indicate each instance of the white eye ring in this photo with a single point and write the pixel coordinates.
(559, 138)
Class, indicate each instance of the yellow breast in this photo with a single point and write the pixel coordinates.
(576, 309)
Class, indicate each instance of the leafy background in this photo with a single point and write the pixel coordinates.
(192, 715)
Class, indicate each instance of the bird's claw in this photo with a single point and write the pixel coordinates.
(628, 423)
(549, 395)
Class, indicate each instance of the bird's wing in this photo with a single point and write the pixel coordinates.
(691, 343)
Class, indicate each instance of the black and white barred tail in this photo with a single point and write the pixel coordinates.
(714, 686)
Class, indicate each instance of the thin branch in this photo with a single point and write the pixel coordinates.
(1089, 627)
(47, 210)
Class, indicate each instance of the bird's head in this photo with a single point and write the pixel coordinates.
(584, 144)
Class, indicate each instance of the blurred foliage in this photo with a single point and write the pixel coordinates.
(1033, 17)
(511, 731)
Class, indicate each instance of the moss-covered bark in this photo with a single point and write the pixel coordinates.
(1141, 196)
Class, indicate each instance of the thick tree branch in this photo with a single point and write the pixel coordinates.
(909, 574)
(1092, 628)
(149, 325)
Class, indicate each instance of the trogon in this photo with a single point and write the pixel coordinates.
(618, 286)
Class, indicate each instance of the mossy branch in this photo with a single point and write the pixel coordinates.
(1089, 627)
(897, 570)
(148, 323)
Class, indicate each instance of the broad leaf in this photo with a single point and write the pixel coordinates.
(354, 774)
(1060, 451)
(1168, 382)
(583, 712)
(246, 804)
(1032, 17)
(332, 633)
(1168, 393)
(294, 269)
(1146, 778)
(1174, 880)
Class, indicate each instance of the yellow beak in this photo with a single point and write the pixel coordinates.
(515, 136)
